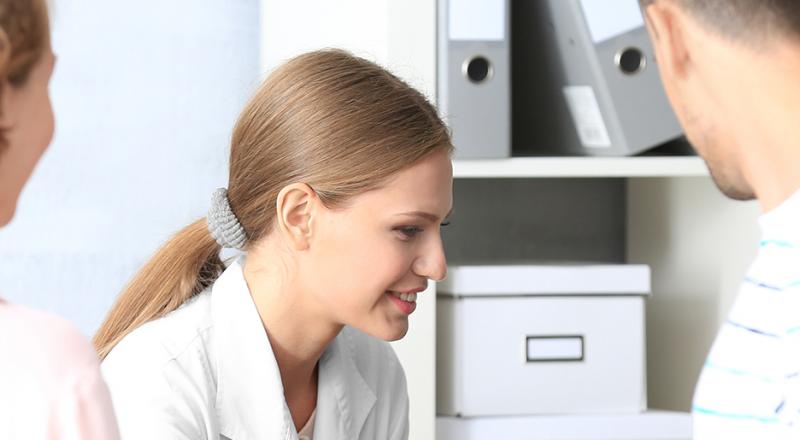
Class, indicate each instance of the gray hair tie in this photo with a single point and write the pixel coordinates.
(222, 222)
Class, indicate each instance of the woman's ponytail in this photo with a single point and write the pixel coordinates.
(184, 266)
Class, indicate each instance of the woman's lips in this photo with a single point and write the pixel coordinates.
(405, 302)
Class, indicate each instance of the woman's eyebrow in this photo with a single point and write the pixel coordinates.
(425, 215)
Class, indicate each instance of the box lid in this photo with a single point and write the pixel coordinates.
(546, 279)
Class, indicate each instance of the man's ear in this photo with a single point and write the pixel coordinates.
(666, 23)
(295, 209)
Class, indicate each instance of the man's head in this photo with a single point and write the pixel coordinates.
(711, 55)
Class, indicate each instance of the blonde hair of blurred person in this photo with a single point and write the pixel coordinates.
(340, 177)
(50, 383)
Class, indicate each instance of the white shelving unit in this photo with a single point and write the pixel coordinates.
(535, 167)
(697, 243)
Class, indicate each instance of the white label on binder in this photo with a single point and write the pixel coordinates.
(586, 114)
(477, 20)
(609, 18)
(567, 348)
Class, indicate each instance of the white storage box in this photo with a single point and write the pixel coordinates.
(652, 425)
(523, 340)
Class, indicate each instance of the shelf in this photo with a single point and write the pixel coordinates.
(522, 167)
(651, 424)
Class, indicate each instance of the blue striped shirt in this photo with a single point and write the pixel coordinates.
(750, 385)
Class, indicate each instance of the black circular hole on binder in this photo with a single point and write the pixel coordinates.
(478, 69)
(630, 61)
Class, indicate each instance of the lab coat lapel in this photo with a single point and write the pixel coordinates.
(250, 400)
(344, 399)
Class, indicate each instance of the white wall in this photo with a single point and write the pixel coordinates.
(145, 95)
(291, 28)
(399, 35)
(699, 245)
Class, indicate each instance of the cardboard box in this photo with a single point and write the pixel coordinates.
(525, 340)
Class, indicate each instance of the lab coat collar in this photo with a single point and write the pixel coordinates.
(344, 398)
(250, 400)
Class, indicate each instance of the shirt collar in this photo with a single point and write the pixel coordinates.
(250, 400)
(344, 399)
(783, 220)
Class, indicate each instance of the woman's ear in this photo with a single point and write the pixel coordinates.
(295, 209)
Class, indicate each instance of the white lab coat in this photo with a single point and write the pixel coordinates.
(207, 371)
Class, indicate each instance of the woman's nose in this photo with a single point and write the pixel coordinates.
(432, 263)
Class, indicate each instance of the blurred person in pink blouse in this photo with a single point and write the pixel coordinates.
(50, 382)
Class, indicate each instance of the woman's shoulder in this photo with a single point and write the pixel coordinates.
(161, 375)
(164, 339)
(39, 340)
(49, 372)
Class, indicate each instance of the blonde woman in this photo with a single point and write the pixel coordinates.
(340, 178)
(50, 383)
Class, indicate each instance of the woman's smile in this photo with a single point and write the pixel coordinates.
(405, 302)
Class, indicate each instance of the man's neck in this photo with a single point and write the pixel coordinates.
(768, 129)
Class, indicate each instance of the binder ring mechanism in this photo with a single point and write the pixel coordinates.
(630, 60)
(477, 69)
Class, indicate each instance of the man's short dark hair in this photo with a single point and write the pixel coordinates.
(746, 20)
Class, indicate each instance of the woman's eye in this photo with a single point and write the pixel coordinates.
(410, 231)
(445, 223)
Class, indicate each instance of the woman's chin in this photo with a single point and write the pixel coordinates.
(397, 333)
(394, 332)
